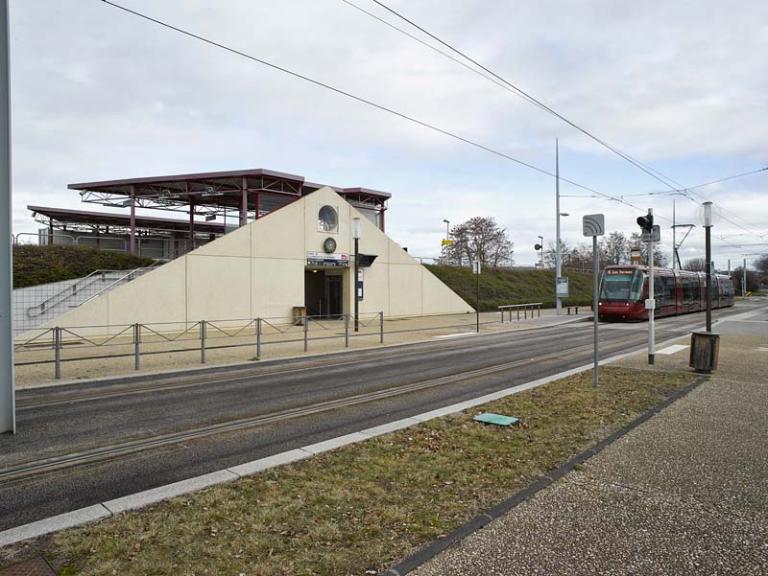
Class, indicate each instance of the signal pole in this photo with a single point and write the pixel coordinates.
(649, 231)
(7, 392)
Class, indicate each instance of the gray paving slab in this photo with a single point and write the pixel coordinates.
(684, 493)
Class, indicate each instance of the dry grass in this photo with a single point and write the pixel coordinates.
(360, 508)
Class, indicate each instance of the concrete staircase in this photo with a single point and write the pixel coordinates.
(38, 305)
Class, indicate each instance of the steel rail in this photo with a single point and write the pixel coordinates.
(114, 451)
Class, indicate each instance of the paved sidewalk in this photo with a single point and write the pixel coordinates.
(684, 493)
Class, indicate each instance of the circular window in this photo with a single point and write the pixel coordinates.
(329, 245)
(328, 219)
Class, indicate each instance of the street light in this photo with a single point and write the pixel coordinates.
(447, 228)
(356, 233)
(7, 387)
(707, 221)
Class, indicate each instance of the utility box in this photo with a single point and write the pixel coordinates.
(705, 348)
(299, 313)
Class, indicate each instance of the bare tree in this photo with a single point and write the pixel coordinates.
(479, 238)
(614, 249)
(659, 258)
(696, 265)
(762, 263)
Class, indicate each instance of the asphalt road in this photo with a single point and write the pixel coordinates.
(82, 444)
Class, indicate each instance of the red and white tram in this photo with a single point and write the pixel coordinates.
(623, 291)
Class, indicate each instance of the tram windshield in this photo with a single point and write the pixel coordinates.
(622, 285)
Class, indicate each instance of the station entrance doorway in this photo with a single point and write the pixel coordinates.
(324, 292)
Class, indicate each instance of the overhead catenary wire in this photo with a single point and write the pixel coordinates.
(666, 180)
(675, 186)
(359, 99)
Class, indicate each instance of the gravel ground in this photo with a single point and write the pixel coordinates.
(684, 493)
(275, 344)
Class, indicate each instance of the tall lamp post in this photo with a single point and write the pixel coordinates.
(7, 391)
(558, 260)
(707, 217)
(447, 229)
(356, 233)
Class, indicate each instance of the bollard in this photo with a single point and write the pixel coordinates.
(306, 333)
(346, 330)
(57, 353)
(136, 348)
(381, 327)
(539, 309)
(258, 338)
(202, 341)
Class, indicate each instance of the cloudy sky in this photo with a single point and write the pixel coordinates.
(99, 94)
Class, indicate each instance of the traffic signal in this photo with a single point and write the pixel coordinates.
(646, 222)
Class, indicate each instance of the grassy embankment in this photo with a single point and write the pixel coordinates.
(500, 287)
(33, 265)
(358, 509)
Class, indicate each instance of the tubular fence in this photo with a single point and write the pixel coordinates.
(58, 346)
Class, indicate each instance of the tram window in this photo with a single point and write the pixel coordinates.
(690, 290)
(616, 286)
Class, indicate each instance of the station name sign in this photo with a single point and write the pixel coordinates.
(323, 260)
(619, 271)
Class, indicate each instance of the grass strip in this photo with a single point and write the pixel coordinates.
(359, 509)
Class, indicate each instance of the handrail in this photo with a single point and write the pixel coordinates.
(72, 289)
(134, 273)
(532, 306)
(508, 306)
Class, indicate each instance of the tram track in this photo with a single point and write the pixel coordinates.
(118, 450)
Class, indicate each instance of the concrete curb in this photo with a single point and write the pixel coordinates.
(480, 521)
(155, 495)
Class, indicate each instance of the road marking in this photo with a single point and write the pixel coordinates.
(454, 335)
(761, 349)
(672, 349)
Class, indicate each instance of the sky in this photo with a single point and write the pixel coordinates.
(99, 94)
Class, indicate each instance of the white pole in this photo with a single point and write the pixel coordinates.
(7, 392)
(744, 278)
(652, 302)
(595, 314)
(558, 303)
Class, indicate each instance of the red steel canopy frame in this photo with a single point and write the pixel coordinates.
(255, 191)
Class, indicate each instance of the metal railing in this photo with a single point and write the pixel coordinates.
(533, 307)
(139, 341)
(77, 288)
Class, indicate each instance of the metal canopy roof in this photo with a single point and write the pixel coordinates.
(262, 190)
(83, 218)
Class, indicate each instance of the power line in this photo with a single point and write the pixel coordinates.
(673, 185)
(535, 101)
(741, 175)
(359, 99)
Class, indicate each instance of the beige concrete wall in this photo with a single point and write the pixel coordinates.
(258, 271)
